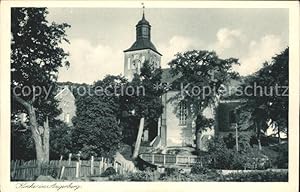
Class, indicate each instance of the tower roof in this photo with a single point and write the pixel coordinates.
(143, 40)
(143, 21)
(140, 44)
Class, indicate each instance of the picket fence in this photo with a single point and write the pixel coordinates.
(61, 169)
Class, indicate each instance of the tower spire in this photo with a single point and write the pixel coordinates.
(143, 10)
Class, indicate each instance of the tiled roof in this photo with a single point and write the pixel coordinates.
(140, 44)
(166, 76)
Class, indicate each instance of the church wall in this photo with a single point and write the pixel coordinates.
(66, 102)
(172, 134)
(173, 130)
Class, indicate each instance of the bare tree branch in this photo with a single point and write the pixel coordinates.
(21, 101)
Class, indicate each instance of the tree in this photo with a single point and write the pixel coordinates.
(36, 56)
(201, 75)
(96, 124)
(267, 105)
(22, 144)
(145, 102)
(60, 140)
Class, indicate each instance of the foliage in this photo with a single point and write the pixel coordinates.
(282, 160)
(140, 176)
(176, 175)
(22, 144)
(200, 74)
(134, 176)
(243, 141)
(259, 176)
(224, 158)
(145, 102)
(278, 155)
(108, 172)
(199, 169)
(96, 130)
(60, 140)
(268, 105)
(36, 56)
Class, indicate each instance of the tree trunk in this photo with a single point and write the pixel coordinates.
(198, 140)
(258, 135)
(40, 134)
(138, 139)
(278, 132)
(236, 138)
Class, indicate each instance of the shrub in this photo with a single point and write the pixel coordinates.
(283, 157)
(141, 176)
(199, 169)
(224, 158)
(171, 171)
(119, 177)
(108, 172)
(257, 176)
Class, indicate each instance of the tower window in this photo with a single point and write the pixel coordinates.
(182, 113)
(128, 63)
(143, 59)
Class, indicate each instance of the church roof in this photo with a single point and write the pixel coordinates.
(166, 76)
(143, 21)
(140, 44)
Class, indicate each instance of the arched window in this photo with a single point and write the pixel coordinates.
(182, 113)
(128, 63)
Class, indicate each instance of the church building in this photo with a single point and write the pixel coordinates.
(172, 129)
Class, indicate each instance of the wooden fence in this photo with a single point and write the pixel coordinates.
(59, 169)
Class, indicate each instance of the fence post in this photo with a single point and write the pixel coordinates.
(62, 172)
(92, 165)
(164, 159)
(116, 167)
(70, 158)
(176, 160)
(77, 169)
(100, 165)
(61, 158)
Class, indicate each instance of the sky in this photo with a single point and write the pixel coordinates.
(98, 36)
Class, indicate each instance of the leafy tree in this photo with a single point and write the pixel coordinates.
(96, 128)
(267, 105)
(145, 102)
(36, 56)
(22, 144)
(60, 140)
(201, 75)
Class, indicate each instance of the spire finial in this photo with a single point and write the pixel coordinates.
(143, 10)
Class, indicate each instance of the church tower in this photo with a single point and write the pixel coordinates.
(141, 51)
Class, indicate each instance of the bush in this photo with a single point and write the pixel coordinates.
(199, 169)
(119, 177)
(257, 176)
(141, 176)
(282, 159)
(108, 172)
(224, 158)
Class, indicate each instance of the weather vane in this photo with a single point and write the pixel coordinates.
(143, 7)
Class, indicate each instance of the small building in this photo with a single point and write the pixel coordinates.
(66, 103)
